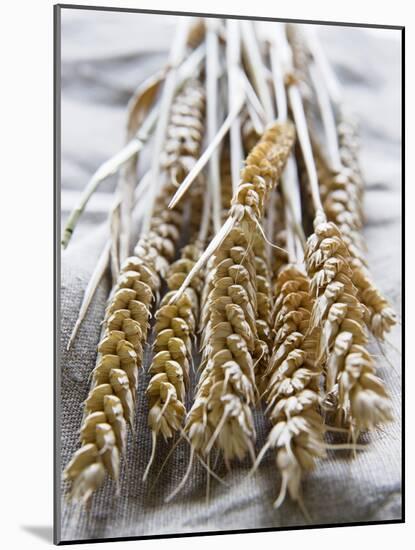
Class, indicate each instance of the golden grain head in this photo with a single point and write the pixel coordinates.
(343, 337)
(290, 384)
(226, 388)
(263, 169)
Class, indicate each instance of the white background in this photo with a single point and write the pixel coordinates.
(26, 256)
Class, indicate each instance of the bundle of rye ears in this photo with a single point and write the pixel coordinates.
(259, 264)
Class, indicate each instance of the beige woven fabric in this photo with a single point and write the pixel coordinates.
(104, 56)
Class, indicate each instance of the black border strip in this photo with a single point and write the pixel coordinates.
(403, 314)
(228, 16)
(234, 532)
(57, 270)
(56, 220)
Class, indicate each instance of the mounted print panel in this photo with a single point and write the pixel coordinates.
(229, 336)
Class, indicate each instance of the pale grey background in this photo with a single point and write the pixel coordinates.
(105, 55)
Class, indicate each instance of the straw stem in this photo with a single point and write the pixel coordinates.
(212, 81)
(176, 55)
(233, 54)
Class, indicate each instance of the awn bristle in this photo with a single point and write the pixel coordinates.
(353, 390)
(291, 381)
(111, 401)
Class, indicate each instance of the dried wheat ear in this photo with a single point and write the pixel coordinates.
(291, 384)
(354, 393)
(174, 334)
(342, 196)
(263, 168)
(221, 415)
(175, 328)
(175, 325)
(111, 401)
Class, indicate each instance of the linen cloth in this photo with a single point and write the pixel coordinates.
(105, 56)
